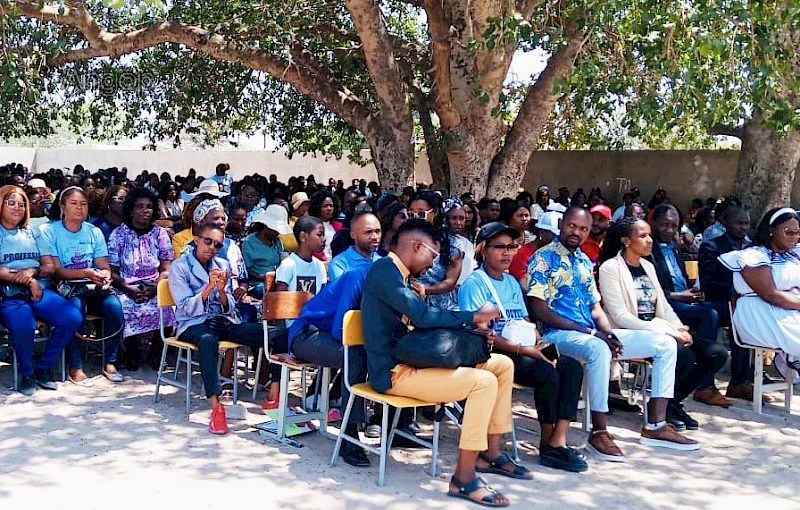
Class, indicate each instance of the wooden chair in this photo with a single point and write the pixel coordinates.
(353, 335)
(759, 388)
(185, 350)
(285, 306)
(269, 282)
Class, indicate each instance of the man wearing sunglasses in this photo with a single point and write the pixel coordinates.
(205, 313)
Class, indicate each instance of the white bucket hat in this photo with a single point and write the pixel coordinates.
(211, 187)
(275, 217)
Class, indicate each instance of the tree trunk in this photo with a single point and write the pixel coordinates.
(393, 153)
(766, 169)
(469, 156)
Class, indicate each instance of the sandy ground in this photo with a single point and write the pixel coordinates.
(107, 446)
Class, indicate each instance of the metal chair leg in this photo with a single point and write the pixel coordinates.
(258, 372)
(235, 375)
(758, 380)
(283, 401)
(161, 371)
(514, 447)
(435, 453)
(188, 380)
(341, 434)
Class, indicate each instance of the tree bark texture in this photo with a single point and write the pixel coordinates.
(766, 170)
(392, 153)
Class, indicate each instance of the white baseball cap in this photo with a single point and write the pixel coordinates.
(549, 221)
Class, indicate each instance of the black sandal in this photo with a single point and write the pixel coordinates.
(520, 472)
(464, 490)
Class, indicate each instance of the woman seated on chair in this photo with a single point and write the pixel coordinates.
(140, 253)
(556, 384)
(201, 285)
(633, 299)
(767, 277)
(78, 252)
(24, 298)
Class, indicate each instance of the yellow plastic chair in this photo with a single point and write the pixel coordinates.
(185, 350)
(353, 335)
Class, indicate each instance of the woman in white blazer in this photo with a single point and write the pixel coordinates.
(633, 298)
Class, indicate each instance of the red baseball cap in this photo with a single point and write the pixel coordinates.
(601, 209)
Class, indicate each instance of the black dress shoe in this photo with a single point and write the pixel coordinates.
(621, 404)
(678, 412)
(354, 456)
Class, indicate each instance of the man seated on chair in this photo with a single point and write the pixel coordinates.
(563, 295)
(389, 305)
(316, 335)
(716, 280)
(200, 282)
(365, 230)
(687, 302)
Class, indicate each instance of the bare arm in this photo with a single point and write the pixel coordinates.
(760, 280)
(450, 278)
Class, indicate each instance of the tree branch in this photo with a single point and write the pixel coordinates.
(437, 159)
(722, 130)
(440, 56)
(308, 77)
(379, 54)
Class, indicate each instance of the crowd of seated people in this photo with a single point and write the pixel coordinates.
(603, 284)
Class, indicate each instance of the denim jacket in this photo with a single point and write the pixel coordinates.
(187, 279)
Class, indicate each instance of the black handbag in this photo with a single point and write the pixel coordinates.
(82, 288)
(442, 348)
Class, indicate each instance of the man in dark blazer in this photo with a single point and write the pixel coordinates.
(688, 303)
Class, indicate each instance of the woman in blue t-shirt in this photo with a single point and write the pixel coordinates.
(24, 300)
(556, 384)
(78, 251)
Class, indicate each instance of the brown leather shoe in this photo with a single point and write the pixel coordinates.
(712, 397)
(667, 437)
(745, 392)
(602, 445)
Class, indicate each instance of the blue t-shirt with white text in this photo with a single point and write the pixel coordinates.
(18, 248)
(474, 293)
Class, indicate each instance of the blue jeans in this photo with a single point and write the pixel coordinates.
(110, 309)
(20, 315)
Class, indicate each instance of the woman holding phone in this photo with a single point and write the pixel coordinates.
(556, 381)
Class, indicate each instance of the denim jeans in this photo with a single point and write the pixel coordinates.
(110, 309)
(636, 344)
(206, 337)
(19, 317)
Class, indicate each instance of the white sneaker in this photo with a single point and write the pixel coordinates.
(372, 431)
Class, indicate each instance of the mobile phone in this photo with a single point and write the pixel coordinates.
(551, 352)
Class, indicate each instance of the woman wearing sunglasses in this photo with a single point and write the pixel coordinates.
(438, 284)
(24, 297)
(205, 312)
(78, 251)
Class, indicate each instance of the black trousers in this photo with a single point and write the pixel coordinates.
(319, 347)
(556, 391)
(697, 365)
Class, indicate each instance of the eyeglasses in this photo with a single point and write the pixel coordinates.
(505, 247)
(118, 199)
(16, 203)
(429, 248)
(208, 242)
(419, 214)
(786, 231)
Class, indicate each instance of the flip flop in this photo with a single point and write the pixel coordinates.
(520, 472)
(464, 490)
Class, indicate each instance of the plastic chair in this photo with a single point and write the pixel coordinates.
(353, 335)
(759, 388)
(185, 350)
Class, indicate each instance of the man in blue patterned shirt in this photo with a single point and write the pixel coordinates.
(563, 295)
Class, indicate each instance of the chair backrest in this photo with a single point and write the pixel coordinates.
(164, 295)
(734, 334)
(284, 305)
(692, 269)
(269, 281)
(353, 329)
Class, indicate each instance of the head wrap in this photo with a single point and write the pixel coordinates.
(451, 203)
(781, 212)
(205, 207)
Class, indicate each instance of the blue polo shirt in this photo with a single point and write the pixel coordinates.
(327, 308)
(348, 260)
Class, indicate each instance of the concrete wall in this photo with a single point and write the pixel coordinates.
(684, 174)
(204, 161)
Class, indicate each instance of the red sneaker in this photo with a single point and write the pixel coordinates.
(219, 421)
(270, 404)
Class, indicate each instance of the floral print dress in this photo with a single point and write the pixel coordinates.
(138, 259)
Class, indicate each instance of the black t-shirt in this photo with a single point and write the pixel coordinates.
(645, 293)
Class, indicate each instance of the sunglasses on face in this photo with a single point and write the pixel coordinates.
(419, 214)
(209, 242)
(505, 247)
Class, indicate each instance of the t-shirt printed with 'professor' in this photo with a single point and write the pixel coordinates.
(74, 250)
(18, 249)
